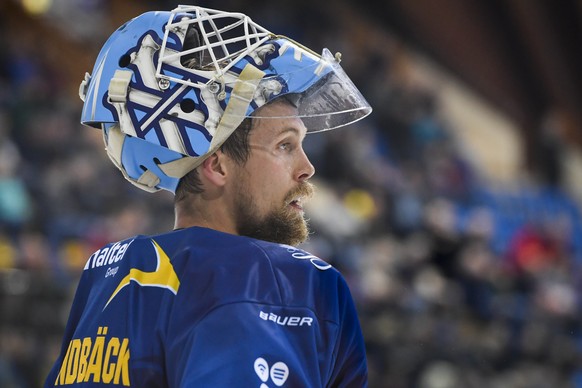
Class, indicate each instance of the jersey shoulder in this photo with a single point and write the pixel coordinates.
(304, 279)
(285, 256)
(227, 268)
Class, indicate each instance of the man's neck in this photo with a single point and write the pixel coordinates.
(207, 214)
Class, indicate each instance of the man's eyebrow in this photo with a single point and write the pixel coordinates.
(293, 130)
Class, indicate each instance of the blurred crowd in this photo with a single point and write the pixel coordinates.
(458, 284)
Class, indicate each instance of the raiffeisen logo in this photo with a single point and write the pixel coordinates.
(99, 359)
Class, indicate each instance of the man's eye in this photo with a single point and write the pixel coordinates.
(285, 146)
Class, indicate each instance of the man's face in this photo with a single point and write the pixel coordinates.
(271, 185)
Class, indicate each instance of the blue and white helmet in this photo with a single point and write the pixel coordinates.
(168, 88)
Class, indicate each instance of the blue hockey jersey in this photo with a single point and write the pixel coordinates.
(201, 308)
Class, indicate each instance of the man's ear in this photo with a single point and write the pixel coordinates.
(213, 169)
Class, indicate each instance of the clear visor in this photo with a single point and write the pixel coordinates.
(325, 97)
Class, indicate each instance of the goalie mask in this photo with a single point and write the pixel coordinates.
(168, 88)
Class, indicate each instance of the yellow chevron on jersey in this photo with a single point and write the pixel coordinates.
(164, 276)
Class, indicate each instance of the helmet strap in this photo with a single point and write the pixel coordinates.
(240, 98)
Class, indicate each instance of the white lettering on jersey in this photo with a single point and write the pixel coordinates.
(107, 255)
(285, 320)
(111, 271)
(302, 255)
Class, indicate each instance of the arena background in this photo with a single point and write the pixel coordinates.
(453, 211)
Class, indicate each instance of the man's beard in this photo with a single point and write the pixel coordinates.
(282, 225)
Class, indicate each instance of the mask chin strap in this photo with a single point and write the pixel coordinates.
(114, 140)
(115, 137)
(240, 98)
